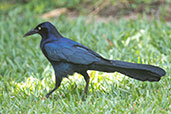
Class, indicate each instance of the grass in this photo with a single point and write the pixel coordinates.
(26, 76)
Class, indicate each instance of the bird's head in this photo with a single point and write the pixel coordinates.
(44, 29)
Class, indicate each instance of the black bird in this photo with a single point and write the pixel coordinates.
(68, 56)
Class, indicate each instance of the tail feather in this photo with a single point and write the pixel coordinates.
(141, 72)
(145, 67)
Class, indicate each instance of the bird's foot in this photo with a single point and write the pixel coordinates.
(47, 96)
(84, 97)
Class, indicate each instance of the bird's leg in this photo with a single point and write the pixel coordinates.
(87, 79)
(57, 84)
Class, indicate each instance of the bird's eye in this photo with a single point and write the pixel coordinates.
(39, 28)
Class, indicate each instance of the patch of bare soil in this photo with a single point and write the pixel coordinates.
(106, 12)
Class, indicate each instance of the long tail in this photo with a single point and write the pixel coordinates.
(141, 72)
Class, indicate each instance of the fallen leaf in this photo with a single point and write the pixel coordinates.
(54, 13)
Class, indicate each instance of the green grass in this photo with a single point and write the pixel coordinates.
(26, 76)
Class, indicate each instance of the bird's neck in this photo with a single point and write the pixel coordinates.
(48, 39)
(58, 35)
(51, 36)
(55, 33)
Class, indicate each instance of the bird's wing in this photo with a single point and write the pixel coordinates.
(77, 54)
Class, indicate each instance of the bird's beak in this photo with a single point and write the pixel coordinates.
(33, 31)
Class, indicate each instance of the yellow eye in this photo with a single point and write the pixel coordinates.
(39, 28)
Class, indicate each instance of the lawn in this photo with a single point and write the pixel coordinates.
(26, 76)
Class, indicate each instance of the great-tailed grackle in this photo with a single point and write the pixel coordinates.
(68, 56)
